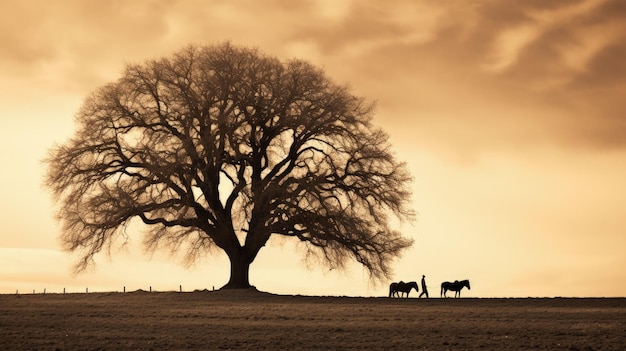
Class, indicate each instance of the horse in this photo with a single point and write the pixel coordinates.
(456, 287)
(402, 288)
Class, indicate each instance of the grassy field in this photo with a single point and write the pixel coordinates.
(239, 320)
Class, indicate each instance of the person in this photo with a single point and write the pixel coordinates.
(424, 289)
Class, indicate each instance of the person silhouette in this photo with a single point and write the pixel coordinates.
(424, 289)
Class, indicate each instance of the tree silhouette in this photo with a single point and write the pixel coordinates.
(223, 147)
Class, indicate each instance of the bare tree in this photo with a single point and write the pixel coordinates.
(222, 146)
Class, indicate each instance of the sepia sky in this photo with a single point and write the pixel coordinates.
(510, 115)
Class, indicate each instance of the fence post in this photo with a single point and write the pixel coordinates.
(86, 290)
(180, 288)
(124, 289)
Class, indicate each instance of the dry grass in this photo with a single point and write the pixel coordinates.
(252, 320)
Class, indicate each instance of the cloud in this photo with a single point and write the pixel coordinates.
(561, 45)
(75, 43)
(531, 73)
(466, 74)
(84, 44)
(370, 25)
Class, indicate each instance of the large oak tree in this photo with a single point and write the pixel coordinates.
(223, 146)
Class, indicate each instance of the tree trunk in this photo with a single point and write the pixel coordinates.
(239, 272)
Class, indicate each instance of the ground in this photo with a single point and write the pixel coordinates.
(239, 320)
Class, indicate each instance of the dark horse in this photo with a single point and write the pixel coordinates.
(456, 287)
(402, 287)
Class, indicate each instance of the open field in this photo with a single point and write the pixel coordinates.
(252, 320)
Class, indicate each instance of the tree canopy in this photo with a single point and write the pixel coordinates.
(223, 147)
